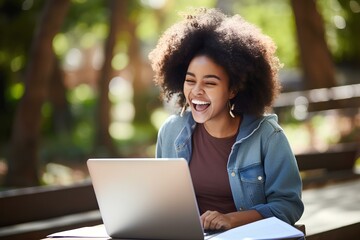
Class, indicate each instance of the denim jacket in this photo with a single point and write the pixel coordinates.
(262, 169)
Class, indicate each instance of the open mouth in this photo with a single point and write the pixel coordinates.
(200, 105)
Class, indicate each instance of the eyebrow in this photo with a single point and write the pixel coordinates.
(206, 76)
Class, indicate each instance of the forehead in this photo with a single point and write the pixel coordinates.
(203, 67)
(206, 63)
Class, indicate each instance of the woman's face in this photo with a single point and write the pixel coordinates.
(206, 89)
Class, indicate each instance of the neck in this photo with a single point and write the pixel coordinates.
(226, 128)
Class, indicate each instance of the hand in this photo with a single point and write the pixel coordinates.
(213, 220)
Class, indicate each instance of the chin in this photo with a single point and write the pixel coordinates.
(199, 119)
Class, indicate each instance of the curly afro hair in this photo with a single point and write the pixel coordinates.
(247, 55)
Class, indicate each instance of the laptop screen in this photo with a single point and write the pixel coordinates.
(146, 198)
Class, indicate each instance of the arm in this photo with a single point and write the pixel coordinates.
(158, 151)
(283, 183)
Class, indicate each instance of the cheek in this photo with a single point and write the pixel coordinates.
(186, 91)
(219, 95)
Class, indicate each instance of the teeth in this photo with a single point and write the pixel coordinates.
(194, 101)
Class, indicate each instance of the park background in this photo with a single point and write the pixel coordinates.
(75, 80)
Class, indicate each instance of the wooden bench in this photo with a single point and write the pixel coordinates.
(340, 97)
(333, 211)
(334, 165)
(351, 231)
(337, 163)
(33, 213)
(325, 170)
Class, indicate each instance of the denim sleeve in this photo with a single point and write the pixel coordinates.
(283, 183)
(165, 138)
(158, 147)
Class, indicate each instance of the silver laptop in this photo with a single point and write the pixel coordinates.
(146, 198)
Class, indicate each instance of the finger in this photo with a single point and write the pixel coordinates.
(213, 219)
(203, 217)
(208, 219)
(216, 221)
(219, 221)
(223, 223)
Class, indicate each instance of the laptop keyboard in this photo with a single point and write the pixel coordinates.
(211, 233)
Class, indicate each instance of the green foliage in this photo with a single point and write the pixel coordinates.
(139, 145)
(76, 144)
(16, 91)
(86, 25)
(85, 14)
(342, 22)
(275, 18)
(17, 24)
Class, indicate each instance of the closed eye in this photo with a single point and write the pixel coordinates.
(211, 83)
(190, 81)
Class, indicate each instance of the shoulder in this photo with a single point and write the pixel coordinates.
(265, 123)
(270, 122)
(272, 133)
(175, 123)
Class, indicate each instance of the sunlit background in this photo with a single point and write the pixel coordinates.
(136, 111)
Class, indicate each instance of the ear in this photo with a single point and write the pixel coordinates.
(233, 93)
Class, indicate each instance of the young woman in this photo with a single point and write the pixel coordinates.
(223, 71)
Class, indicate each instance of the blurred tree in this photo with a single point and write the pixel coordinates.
(142, 84)
(23, 153)
(62, 119)
(349, 33)
(275, 18)
(142, 114)
(104, 142)
(17, 23)
(316, 60)
(137, 28)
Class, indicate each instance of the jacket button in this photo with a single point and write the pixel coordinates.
(240, 209)
(260, 178)
(233, 174)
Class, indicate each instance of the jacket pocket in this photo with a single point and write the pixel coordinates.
(253, 181)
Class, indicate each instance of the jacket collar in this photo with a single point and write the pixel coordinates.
(249, 124)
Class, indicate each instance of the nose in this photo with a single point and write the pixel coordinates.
(197, 90)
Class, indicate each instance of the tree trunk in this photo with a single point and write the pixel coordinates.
(23, 159)
(104, 141)
(144, 95)
(62, 118)
(315, 56)
(141, 92)
(350, 35)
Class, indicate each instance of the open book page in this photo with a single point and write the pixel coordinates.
(269, 228)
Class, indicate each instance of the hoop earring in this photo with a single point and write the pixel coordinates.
(183, 111)
(231, 106)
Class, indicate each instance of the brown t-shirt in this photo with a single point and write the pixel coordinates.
(208, 168)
